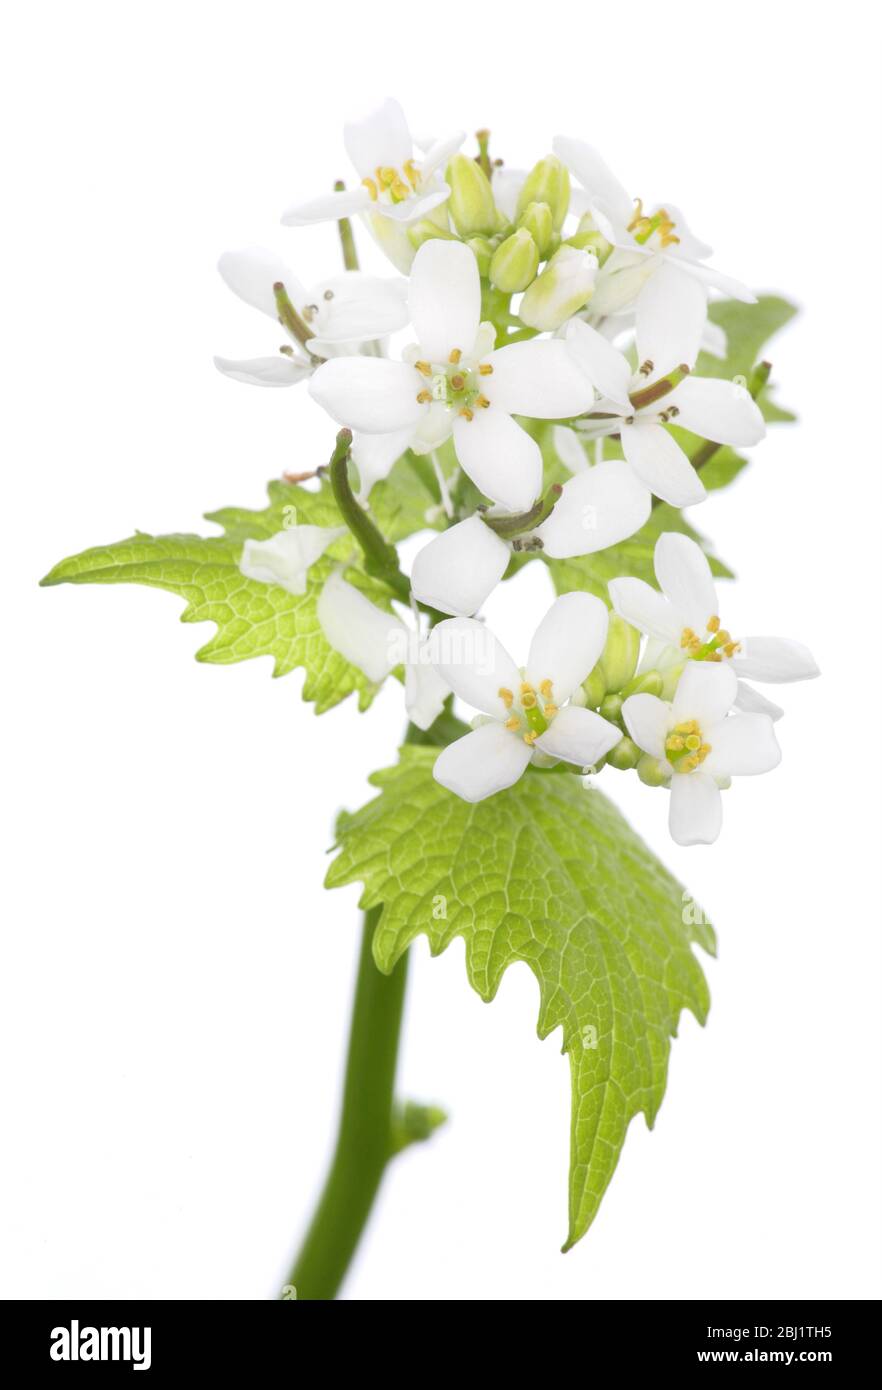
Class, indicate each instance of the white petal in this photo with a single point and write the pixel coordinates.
(354, 308)
(445, 298)
(424, 691)
(597, 508)
(775, 659)
(538, 378)
(378, 138)
(714, 340)
(741, 746)
(251, 274)
(685, 578)
(645, 608)
(595, 177)
(374, 456)
(369, 393)
(688, 244)
(706, 691)
(417, 206)
(460, 568)
(604, 366)
(285, 558)
(718, 410)
(579, 736)
(671, 313)
(567, 643)
(280, 370)
(750, 701)
(648, 719)
(696, 811)
(507, 184)
(661, 464)
(714, 279)
(362, 633)
(484, 762)
(569, 449)
(439, 152)
(474, 664)
(327, 207)
(499, 457)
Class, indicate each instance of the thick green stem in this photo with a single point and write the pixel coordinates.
(347, 240)
(365, 1135)
(380, 558)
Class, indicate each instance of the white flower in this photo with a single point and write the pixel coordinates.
(454, 383)
(340, 313)
(377, 642)
(644, 241)
(702, 744)
(527, 712)
(285, 558)
(457, 570)
(638, 405)
(397, 186)
(684, 620)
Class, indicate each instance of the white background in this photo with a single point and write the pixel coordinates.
(175, 980)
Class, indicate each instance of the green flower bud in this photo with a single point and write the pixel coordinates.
(515, 262)
(426, 230)
(539, 223)
(547, 182)
(652, 772)
(611, 708)
(564, 287)
(483, 249)
(471, 202)
(587, 237)
(625, 755)
(594, 687)
(618, 660)
(650, 683)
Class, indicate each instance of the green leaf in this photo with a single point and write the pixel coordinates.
(550, 874)
(407, 501)
(631, 557)
(748, 328)
(253, 619)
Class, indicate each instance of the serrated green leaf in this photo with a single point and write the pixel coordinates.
(549, 874)
(253, 619)
(407, 501)
(748, 328)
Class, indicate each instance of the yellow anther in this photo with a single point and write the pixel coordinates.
(545, 689)
(485, 369)
(674, 743)
(483, 402)
(527, 688)
(688, 726)
(638, 214)
(412, 172)
(505, 696)
(424, 397)
(530, 738)
(687, 637)
(704, 750)
(550, 711)
(387, 175)
(455, 356)
(647, 367)
(693, 742)
(715, 656)
(467, 414)
(731, 648)
(723, 637)
(371, 188)
(713, 624)
(423, 367)
(514, 723)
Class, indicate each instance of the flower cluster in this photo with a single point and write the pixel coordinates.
(554, 366)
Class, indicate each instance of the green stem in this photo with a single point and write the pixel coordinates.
(380, 558)
(518, 522)
(364, 1138)
(289, 317)
(347, 240)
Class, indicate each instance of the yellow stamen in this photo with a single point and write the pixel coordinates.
(545, 690)
(371, 188)
(505, 696)
(514, 723)
(423, 367)
(455, 356)
(412, 172)
(674, 743)
(550, 711)
(483, 402)
(530, 738)
(485, 369)
(424, 397)
(713, 624)
(731, 648)
(467, 414)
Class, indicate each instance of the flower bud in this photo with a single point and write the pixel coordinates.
(471, 203)
(652, 772)
(650, 683)
(483, 249)
(564, 287)
(426, 230)
(594, 687)
(611, 708)
(515, 262)
(587, 237)
(618, 661)
(625, 755)
(547, 182)
(539, 223)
